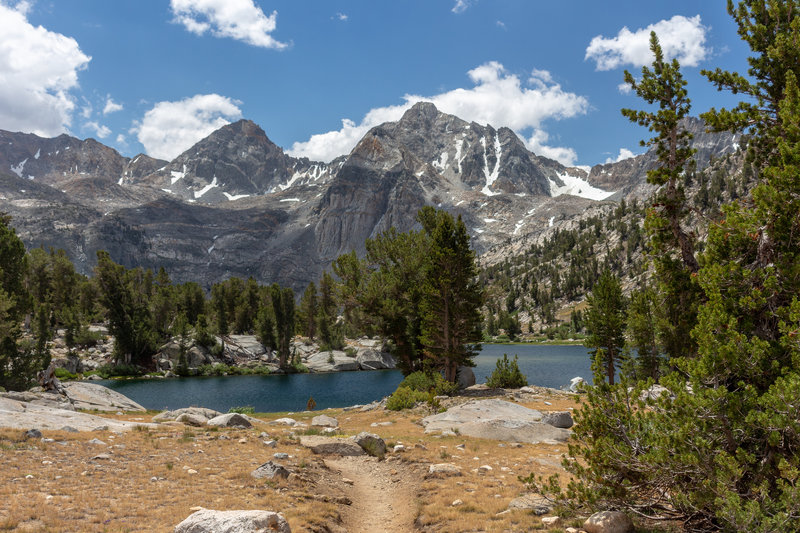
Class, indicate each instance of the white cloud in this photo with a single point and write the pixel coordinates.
(342, 16)
(38, 69)
(121, 139)
(500, 24)
(461, 6)
(497, 98)
(170, 128)
(99, 130)
(680, 37)
(238, 19)
(111, 106)
(624, 153)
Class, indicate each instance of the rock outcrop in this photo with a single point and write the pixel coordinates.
(497, 420)
(208, 521)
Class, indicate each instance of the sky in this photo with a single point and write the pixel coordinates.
(156, 76)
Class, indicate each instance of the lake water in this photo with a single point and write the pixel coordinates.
(548, 366)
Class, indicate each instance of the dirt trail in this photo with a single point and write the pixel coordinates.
(383, 495)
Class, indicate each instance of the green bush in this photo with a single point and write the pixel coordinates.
(84, 338)
(432, 382)
(350, 351)
(243, 410)
(405, 398)
(506, 374)
(121, 370)
(65, 375)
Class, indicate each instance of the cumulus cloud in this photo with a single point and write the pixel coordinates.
(111, 106)
(497, 98)
(342, 16)
(680, 37)
(624, 153)
(38, 69)
(170, 128)
(237, 19)
(99, 130)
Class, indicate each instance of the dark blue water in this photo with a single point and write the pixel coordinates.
(548, 366)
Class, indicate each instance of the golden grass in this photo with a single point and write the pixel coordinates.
(62, 486)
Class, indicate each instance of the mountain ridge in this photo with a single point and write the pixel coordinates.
(236, 204)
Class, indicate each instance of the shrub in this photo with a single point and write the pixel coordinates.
(64, 375)
(506, 374)
(84, 338)
(243, 410)
(432, 382)
(350, 351)
(121, 370)
(405, 398)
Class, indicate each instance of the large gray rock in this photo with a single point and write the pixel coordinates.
(208, 521)
(442, 470)
(559, 419)
(497, 420)
(324, 421)
(230, 420)
(466, 377)
(25, 415)
(371, 443)
(192, 420)
(270, 470)
(91, 396)
(608, 522)
(201, 412)
(333, 361)
(369, 359)
(331, 446)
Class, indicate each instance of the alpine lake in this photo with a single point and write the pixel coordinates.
(543, 365)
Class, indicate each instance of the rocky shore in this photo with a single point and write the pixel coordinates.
(238, 351)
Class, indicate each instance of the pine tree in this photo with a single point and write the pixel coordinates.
(308, 311)
(451, 297)
(605, 326)
(672, 246)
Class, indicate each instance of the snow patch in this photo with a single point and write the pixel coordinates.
(167, 190)
(177, 175)
(550, 224)
(290, 200)
(492, 176)
(201, 192)
(459, 157)
(118, 183)
(211, 249)
(18, 169)
(233, 197)
(518, 226)
(441, 164)
(576, 186)
(38, 153)
(489, 220)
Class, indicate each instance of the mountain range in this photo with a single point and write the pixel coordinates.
(235, 204)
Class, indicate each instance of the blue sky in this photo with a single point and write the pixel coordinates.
(155, 76)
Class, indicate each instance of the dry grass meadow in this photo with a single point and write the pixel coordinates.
(151, 479)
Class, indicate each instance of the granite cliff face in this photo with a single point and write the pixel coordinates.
(235, 204)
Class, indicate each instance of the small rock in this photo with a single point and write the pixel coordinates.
(97, 442)
(443, 470)
(483, 469)
(331, 446)
(347, 480)
(191, 471)
(572, 530)
(33, 434)
(535, 503)
(101, 457)
(551, 521)
(280, 455)
(153, 479)
(191, 419)
(284, 422)
(324, 421)
(242, 441)
(398, 448)
(608, 522)
(270, 470)
(69, 429)
(270, 443)
(456, 503)
(29, 476)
